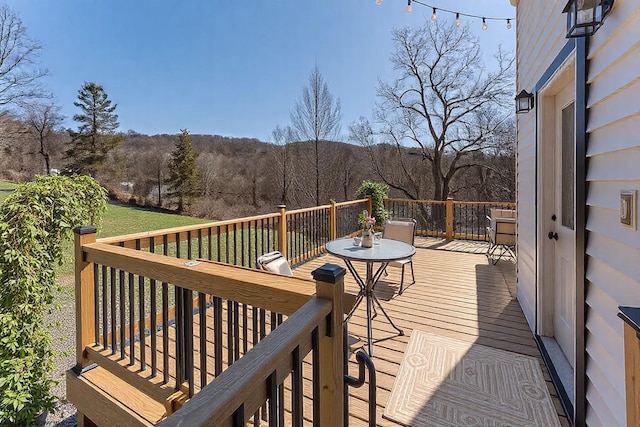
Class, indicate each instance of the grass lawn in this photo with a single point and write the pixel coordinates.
(122, 219)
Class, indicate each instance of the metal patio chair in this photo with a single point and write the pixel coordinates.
(404, 230)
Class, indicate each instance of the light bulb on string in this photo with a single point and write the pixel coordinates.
(409, 8)
(434, 17)
(457, 19)
(378, 1)
(484, 24)
(508, 24)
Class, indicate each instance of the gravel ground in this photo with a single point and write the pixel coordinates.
(64, 341)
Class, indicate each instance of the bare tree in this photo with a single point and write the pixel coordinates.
(43, 119)
(443, 107)
(20, 74)
(282, 159)
(316, 117)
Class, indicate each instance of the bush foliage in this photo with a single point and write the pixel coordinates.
(378, 192)
(34, 221)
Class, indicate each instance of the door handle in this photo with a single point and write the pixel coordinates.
(552, 235)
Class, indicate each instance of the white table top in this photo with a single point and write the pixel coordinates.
(385, 251)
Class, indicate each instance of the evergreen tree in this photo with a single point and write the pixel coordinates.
(96, 135)
(184, 175)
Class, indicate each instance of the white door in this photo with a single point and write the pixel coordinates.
(562, 233)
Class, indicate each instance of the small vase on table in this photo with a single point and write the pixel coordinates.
(367, 239)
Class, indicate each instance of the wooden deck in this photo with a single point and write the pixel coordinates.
(458, 294)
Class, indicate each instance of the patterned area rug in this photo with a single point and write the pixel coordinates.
(447, 382)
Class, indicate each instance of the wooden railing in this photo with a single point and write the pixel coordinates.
(200, 318)
(172, 312)
(299, 234)
(447, 219)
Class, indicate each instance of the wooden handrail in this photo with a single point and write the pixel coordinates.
(243, 382)
(249, 286)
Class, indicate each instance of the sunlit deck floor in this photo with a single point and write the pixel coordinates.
(457, 294)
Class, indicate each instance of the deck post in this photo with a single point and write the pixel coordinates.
(449, 215)
(333, 228)
(85, 294)
(370, 206)
(85, 303)
(330, 285)
(282, 230)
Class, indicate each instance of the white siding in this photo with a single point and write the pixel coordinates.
(613, 252)
(540, 38)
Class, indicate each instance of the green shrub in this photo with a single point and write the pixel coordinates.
(34, 221)
(378, 192)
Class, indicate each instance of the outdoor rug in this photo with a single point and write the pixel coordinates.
(446, 382)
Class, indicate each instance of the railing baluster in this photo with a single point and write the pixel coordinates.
(229, 332)
(202, 311)
(236, 330)
(153, 314)
(296, 388)
(315, 357)
(165, 318)
(179, 322)
(217, 334)
(188, 338)
(245, 329)
(272, 394)
(96, 302)
(141, 321)
(189, 245)
(112, 273)
(132, 321)
(209, 244)
(105, 324)
(122, 314)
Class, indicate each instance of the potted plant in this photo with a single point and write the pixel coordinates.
(34, 221)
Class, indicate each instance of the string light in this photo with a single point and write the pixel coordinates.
(434, 16)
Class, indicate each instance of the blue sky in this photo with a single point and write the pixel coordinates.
(227, 67)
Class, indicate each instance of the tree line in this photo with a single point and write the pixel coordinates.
(444, 127)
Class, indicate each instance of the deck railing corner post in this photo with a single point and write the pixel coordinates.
(333, 220)
(84, 293)
(449, 218)
(330, 285)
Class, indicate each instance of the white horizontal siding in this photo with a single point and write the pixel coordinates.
(617, 136)
(613, 252)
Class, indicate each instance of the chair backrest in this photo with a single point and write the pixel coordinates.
(403, 229)
(275, 262)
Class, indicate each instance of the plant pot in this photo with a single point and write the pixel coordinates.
(41, 419)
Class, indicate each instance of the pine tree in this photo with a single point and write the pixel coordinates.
(184, 175)
(96, 135)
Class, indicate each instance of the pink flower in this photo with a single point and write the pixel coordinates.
(371, 220)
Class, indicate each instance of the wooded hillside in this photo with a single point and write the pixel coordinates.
(245, 176)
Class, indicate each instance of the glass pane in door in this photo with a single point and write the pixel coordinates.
(568, 162)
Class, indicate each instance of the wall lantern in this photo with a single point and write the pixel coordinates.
(524, 102)
(584, 17)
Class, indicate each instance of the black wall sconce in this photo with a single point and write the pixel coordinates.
(584, 17)
(524, 102)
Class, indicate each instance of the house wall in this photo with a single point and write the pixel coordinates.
(613, 252)
(613, 164)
